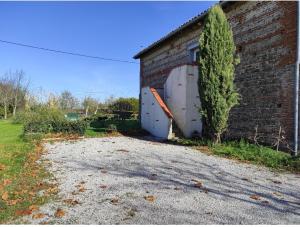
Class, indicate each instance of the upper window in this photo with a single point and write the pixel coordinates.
(193, 52)
(195, 55)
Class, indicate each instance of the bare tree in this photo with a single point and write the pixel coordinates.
(67, 101)
(30, 100)
(6, 91)
(20, 88)
(99, 104)
(90, 104)
(53, 101)
(109, 101)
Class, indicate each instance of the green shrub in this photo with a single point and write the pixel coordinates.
(122, 125)
(216, 72)
(69, 127)
(40, 113)
(123, 114)
(48, 120)
(56, 126)
(125, 104)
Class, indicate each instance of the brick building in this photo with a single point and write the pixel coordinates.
(265, 35)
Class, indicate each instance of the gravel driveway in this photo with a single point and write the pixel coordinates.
(122, 180)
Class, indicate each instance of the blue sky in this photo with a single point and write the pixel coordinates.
(107, 29)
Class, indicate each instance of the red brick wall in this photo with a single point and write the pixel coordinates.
(265, 36)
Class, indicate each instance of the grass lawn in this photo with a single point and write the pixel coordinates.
(246, 152)
(20, 176)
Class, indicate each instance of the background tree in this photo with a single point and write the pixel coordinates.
(67, 101)
(6, 91)
(216, 72)
(30, 101)
(126, 104)
(20, 89)
(90, 105)
(53, 101)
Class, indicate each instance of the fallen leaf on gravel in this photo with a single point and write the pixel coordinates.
(74, 193)
(103, 186)
(123, 150)
(255, 197)
(5, 196)
(198, 184)
(71, 202)
(38, 216)
(53, 190)
(114, 201)
(23, 212)
(59, 213)
(103, 171)
(33, 208)
(82, 182)
(149, 198)
(82, 189)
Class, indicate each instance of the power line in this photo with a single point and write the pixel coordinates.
(66, 52)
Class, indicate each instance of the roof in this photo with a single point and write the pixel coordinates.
(187, 24)
(161, 103)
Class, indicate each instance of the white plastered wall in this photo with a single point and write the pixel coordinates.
(153, 117)
(182, 98)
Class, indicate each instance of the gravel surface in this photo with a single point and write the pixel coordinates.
(122, 180)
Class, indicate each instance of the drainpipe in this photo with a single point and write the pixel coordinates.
(296, 97)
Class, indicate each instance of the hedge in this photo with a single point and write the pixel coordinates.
(57, 126)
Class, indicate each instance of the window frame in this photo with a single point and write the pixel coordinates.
(193, 49)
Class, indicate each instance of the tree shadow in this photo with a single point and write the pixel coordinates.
(217, 181)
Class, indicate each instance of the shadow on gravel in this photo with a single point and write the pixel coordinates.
(216, 182)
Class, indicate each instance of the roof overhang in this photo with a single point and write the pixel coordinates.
(173, 33)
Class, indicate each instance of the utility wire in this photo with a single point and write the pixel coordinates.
(66, 52)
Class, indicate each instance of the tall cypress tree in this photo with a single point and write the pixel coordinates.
(216, 72)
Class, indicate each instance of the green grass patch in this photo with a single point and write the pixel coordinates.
(12, 149)
(247, 152)
(100, 128)
(20, 176)
(95, 132)
(259, 155)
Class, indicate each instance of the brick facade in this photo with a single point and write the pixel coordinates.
(265, 36)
